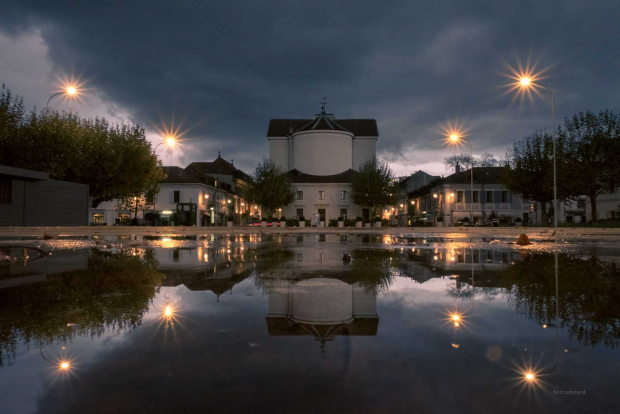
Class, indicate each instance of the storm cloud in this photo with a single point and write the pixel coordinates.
(224, 68)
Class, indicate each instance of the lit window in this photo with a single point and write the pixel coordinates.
(321, 195)
(98, 218)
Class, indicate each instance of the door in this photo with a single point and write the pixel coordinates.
(366, 215)
(322, 214)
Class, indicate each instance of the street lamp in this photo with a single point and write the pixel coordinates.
(70, 91)
(456, 138)
(527, 83)
(170, 141)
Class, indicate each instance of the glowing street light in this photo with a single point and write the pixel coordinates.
(69, 91)
(455, 136)
(525, 80)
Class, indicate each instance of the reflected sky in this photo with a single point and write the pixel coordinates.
(331, 323)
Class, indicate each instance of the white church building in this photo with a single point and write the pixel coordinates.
(322, 156)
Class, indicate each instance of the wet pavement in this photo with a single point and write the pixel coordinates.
(347, 323)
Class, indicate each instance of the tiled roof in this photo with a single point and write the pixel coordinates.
(180, 175)
(322, 123)
(344, 177)
(482, 175)
(358, 127)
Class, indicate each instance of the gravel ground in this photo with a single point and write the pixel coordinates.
(535, 233)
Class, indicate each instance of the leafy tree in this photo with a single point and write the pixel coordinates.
(594, 164)
(374, 186)
(270, 188)
(484, 160)
(530, 171)
(114, 160)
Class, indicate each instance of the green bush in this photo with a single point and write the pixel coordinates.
(350, 223)
(263, 219)
(333, 223)
(340, 218)
(302, 218)
(358, 218)
(282, 218)
(385, 222)
(377, 219)
(292, 223)
(307, 223)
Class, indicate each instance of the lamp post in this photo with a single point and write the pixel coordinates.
(170, 142)
(456, 139)
(527, 82)
(70, 90)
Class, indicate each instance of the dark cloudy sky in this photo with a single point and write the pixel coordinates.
(225, 68)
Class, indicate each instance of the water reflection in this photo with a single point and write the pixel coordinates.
(247, 314)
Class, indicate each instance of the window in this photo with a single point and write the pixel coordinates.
(177, 197)
(321, 195)
(98, 218)
(343, 212)
(123, 217)
(504, 196)
(343, 195)
(460, 196)
(489, 196)
(6, 191)
(476, 197)
(300, 212)
(300, 195)
(175, 255)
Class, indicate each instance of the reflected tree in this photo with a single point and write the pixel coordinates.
(589, 295)
(112, 293)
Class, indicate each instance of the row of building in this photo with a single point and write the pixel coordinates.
(322, 155)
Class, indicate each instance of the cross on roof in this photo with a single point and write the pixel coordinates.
(323, 105)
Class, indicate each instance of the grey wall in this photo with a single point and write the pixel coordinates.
(46, 203)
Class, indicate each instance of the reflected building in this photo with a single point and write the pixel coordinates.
(321, 307)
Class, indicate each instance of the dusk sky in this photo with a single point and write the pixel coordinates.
(225, 68)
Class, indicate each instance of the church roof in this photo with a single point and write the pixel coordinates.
(297, 177)
(358, 127)
(197, 171)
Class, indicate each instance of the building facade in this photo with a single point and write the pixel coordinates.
(449, 201)
(322, 156)
(31, 198)
(202, 194)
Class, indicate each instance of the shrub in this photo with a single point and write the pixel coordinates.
(385, 223)
(465, 219)
(519, 220)
(263, 219)
(282, 218)
(377, 219)
(302, 218)
(340, 218)
(307, 223)
(350, 223)
(358, 218)
(292, 223)
(333, 223)
(440, 219)
(231, 218)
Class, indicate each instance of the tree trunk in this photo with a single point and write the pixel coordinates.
(593, 207)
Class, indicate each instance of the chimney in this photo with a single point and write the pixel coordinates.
(457, 168)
